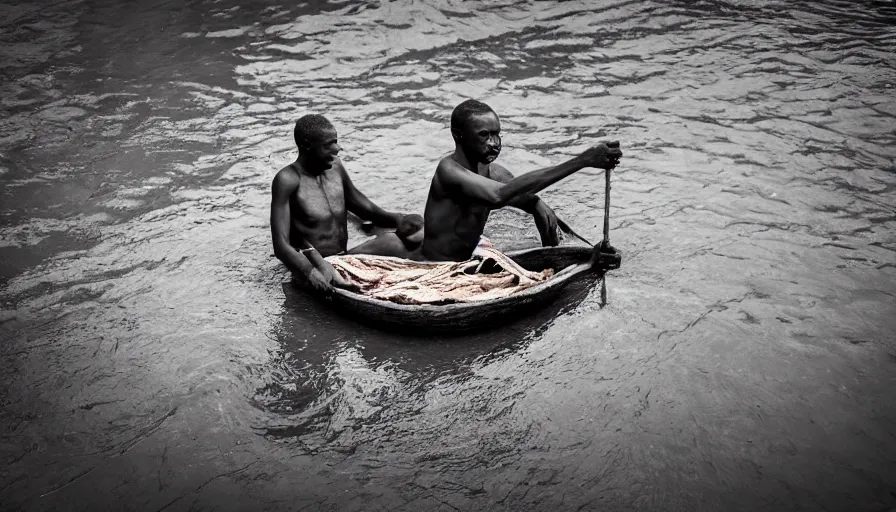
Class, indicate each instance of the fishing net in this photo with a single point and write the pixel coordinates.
(411, 282)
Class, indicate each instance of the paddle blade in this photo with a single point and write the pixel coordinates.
(603, 291)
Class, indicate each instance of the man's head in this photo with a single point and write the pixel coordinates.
(316, 139)
(477, 130)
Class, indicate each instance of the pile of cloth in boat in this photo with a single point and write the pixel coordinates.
(410, 282)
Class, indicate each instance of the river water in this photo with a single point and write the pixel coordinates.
(155, 355)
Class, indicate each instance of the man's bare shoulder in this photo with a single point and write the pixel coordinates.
(445, 165)
(449, 164)
(286, 178)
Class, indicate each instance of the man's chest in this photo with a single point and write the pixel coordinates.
(320, 195)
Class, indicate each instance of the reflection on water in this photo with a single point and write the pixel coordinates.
(155, 355)
(324, 356)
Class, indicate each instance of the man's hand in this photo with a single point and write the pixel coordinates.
(602, 156)
(546, 221)
(340, 282)
(409, 224)
(319, 282)
(334, 279)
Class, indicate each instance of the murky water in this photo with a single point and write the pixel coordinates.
(155, 356)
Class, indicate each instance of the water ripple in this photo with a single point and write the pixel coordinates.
(149, 336)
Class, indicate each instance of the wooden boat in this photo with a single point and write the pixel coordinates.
(570, 264)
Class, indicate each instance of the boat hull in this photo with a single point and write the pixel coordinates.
(571, 264)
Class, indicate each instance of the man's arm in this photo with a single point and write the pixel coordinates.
(360, 205)
(284, 185)
(458, 180)
(545, 218)
(525, 202)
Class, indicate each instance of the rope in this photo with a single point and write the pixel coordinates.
(568, 230)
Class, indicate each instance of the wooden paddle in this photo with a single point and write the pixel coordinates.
(606, 241)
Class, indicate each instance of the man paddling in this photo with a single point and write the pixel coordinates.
(310, 198)
(468, 185)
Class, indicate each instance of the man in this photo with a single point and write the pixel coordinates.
(309, 205)
(468, 185)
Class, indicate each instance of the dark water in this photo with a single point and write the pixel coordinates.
(154, 355)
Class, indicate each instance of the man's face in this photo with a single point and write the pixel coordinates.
(481, 138)
(324, 147)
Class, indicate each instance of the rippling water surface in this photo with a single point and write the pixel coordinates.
(156, 356)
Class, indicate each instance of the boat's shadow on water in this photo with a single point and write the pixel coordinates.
(318, 346)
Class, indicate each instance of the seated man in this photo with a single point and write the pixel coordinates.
(309, 205)
(467, 186)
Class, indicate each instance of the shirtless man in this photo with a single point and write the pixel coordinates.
(467, 185)
(309, 205)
